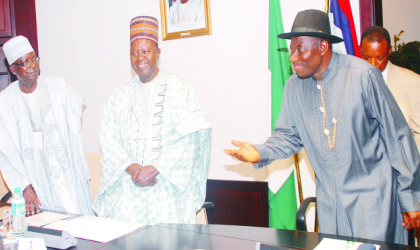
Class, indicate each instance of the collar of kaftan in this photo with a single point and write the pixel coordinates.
(331, 67)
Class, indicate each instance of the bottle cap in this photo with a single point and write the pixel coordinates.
(17, 190)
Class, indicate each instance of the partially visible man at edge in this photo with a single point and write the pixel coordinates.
(404, 84)
(155, 141)
(359, 145)
(41, 146)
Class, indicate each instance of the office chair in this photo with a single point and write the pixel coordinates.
(6, 197)
(202, 213)
(208, 206)
(301, 220)
(301, 214)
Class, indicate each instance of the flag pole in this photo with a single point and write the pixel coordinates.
(299, 180)
(327, 5)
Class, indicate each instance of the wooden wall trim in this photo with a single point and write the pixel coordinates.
(242, 203)
(370, 14)
(237, 185)
(25, 18)
(11, 16)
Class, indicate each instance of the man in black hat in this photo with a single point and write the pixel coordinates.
(357, 140)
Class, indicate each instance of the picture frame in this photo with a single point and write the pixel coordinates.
(185, 18)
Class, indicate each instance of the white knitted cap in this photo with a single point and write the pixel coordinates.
(16, 47)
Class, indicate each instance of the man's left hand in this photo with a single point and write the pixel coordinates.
(31, 199)
(412, 219)
(146, 176)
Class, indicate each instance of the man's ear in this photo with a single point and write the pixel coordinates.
(158, 53)
(12, 69)
(390, 50)
(323, 47)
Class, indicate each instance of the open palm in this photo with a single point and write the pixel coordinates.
(246, 153)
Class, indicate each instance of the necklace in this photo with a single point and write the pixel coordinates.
(326, 131)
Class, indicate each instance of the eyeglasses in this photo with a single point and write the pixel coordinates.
(28, 62)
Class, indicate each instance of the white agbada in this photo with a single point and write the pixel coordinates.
(59, 172)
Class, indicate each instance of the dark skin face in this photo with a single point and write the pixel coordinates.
(376, 53)
(27, 76)
(144, 55)
(310, 56)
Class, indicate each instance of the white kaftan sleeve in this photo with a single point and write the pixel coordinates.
(113, 156)
(177, 162)
(9, 158)
(114, 162)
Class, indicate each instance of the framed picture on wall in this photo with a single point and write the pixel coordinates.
(185, 18)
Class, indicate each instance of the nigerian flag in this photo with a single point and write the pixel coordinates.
(282, 192)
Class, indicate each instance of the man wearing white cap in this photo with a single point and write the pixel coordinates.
(41, 147)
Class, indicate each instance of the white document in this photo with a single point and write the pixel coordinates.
(334, 244)
(44, 218)
(32, 243)
(95, 228)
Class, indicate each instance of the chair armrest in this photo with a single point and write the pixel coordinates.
(6, 197)
(209, 206)
(301, 213)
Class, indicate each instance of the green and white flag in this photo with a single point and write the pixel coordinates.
(282, 192)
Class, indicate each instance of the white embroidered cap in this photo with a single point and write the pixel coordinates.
(16, 47)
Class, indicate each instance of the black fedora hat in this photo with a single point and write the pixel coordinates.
(311, 23)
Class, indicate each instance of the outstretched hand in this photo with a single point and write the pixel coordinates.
(246, 153)
(412, 219)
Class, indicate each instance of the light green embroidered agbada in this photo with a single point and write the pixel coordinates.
(159, 123)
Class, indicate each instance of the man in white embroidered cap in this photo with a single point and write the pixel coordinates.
(155, 141)
(41, 147)
(358, 142)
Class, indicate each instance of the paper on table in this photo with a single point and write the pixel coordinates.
(95, 228)
(334, 244)
(32, 243)
(44, 218)
(1, 211)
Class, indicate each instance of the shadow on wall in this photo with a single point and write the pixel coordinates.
(94, 162)
(280, 166)
(248, 170)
